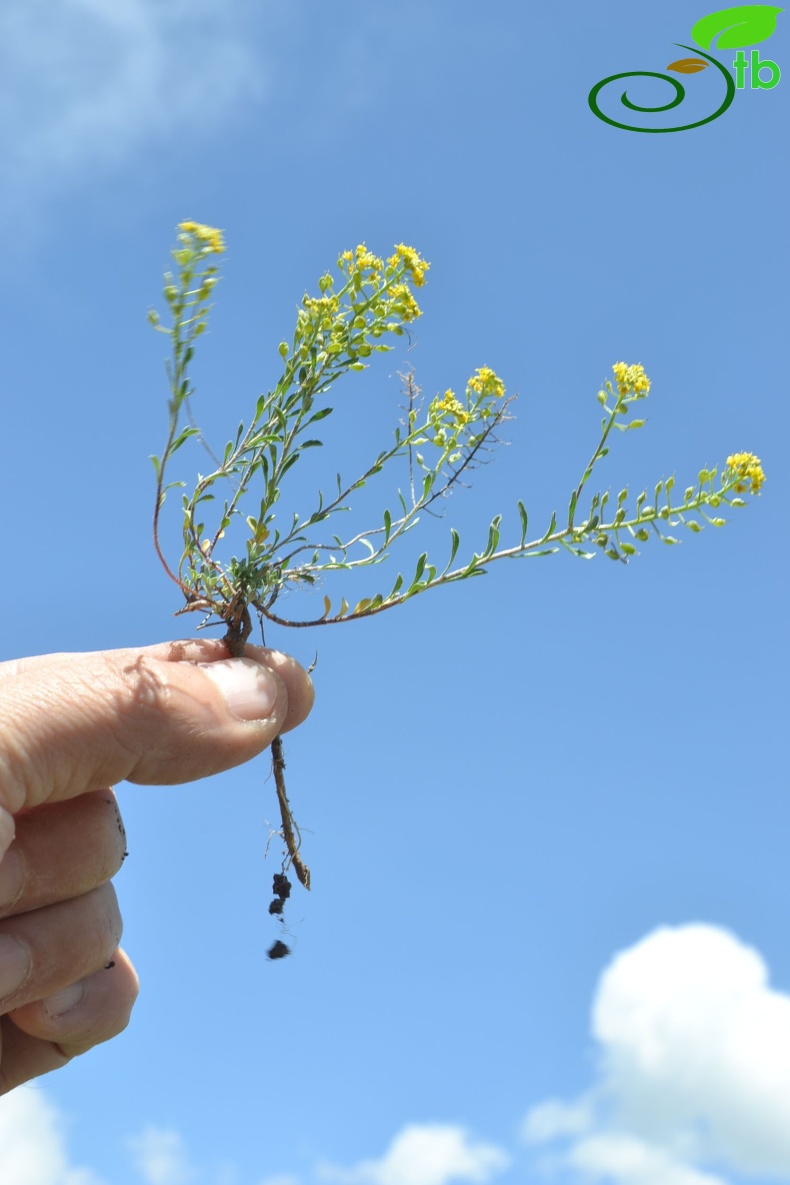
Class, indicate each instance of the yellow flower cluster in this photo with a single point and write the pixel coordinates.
(485, 381)
(404, 303)
(448, 404)
(631, 379)
(414, 265)
(324, 308)
(748, 469)
(204, 234)
(362, 260)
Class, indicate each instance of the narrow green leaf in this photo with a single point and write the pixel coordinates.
(493, 537)
(572, 509)
(456, 539)
(552, 526)
(524, 520)
(387, 526)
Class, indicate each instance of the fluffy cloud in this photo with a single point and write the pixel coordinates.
(694, 1067)
(32, 1143)
(84, 84)
(425, 1154)
(161, 1157)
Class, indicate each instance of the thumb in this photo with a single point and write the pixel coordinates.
(159, 715)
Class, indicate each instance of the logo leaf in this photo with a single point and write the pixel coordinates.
(688, 65)
(746, 24)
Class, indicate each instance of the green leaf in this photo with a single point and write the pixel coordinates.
(746, 24)
(289, 463)
(552, 526)
(493, 538)
(319, 415)
(387, 527)
(311, 444)
(182, 437)
(571, 509)
(456, 539)
(523, 516)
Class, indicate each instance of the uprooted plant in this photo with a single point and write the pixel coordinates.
(359, 309)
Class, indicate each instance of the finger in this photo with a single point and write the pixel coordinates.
(43, 1036)
(49, 948)
(158, 715)
(61, 850)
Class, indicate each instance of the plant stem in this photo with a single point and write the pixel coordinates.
(239, 629)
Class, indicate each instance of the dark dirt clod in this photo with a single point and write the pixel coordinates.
(276, 906)
(281, 886)
(278, 950)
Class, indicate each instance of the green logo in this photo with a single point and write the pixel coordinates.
(736, 28)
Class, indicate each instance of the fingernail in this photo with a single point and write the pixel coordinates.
(250, 689)
(14, 965)
(11, 877)
(64, 1000)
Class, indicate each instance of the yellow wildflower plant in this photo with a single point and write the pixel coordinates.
(360, 309)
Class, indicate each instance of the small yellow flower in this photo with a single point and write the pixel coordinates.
(748, 468)
(404, 303)
(448, 402)
(209, 235)
(366, 260)
(414, 265)
(486, 381)
(361, 260)
(631, 379)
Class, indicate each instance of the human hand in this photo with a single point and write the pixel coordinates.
(70, 726)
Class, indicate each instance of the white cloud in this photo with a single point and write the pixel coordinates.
(626, 1160)
(554, 1118)
(425, 1154)
(160, 1155)
(694, 1067)
(84, 83)
(32, 1143)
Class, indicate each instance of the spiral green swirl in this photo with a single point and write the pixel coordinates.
(680, 94)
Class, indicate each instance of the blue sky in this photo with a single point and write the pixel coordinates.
(545, 811)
